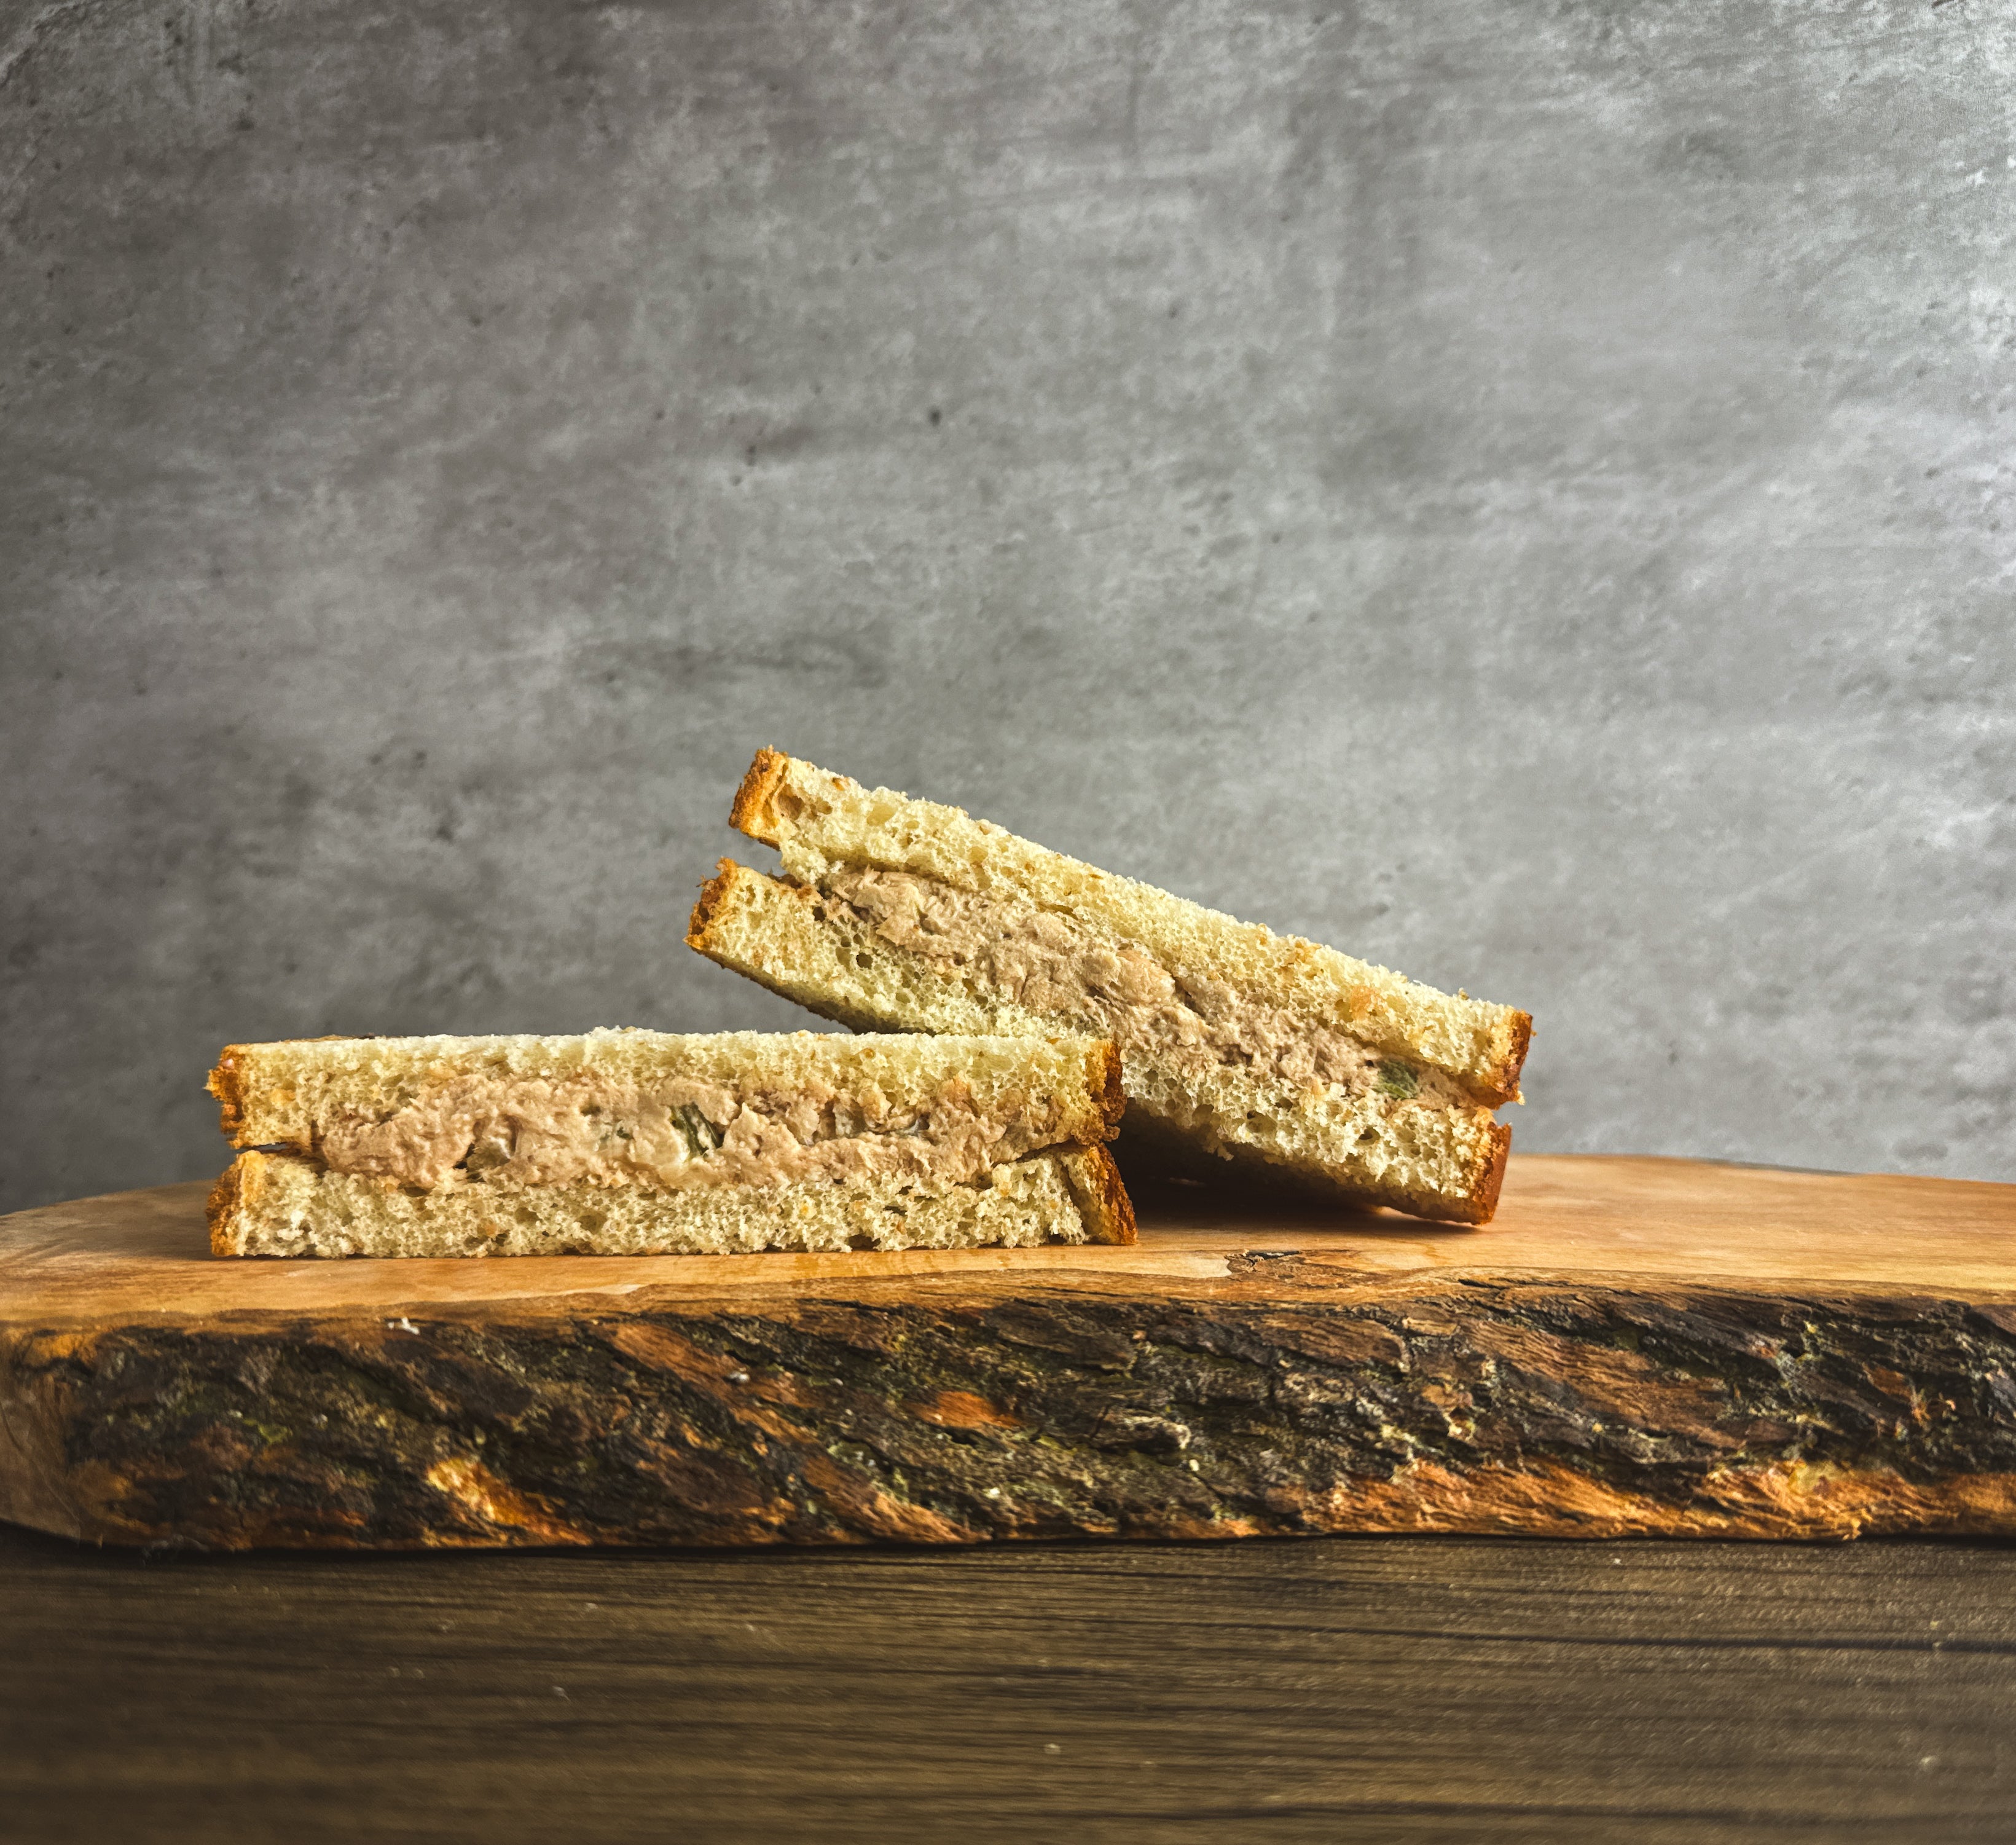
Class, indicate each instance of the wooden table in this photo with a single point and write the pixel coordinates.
(1428, 1688)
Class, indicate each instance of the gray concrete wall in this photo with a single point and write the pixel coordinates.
(1517, 490)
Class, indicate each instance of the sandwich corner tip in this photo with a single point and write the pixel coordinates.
(753, 813)
(707, 906)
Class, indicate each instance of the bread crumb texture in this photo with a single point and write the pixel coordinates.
(286, 1204)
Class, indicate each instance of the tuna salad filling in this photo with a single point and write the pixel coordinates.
(1058, 967)
(677, 1135)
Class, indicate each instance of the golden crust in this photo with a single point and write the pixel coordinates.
(1108, 1088)
(1492, 1181)
(714, 895)
(1108, 1211)
(753, 813)
(227, 1083)
(228, 1197)
(1504, 1079)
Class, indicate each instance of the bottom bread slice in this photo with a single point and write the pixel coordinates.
(282, 1203)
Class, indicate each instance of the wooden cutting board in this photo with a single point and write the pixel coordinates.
(1650, 1346)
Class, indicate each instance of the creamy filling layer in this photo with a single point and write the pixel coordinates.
(679, 1135)
(1057, 967)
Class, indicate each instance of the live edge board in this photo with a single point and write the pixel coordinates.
(1635, 1346)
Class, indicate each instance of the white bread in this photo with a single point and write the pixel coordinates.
(633, 1142)
(1412, 1126)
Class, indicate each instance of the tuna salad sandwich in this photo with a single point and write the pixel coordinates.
(897, 915)
(639, 1143)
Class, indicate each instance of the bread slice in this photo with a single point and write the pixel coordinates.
(895, 914)
(637, 1143)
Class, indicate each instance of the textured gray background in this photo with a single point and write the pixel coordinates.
(1517, 490)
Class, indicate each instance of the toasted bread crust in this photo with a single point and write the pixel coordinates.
(227, 1197)
(752, 813)
(1505, 1075)
(1111, 1092)
(1103, 1199)
(1494, 1174)
(227, 1083)
(714, 894)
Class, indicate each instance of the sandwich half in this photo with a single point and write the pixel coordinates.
(637, 1143)
(900, 915)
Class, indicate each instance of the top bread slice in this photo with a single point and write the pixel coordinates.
(896, 914)
(634, 1141)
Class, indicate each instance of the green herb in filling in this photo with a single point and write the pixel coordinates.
(1398, 1080)
(701, 1135)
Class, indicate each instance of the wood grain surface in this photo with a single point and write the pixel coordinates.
(1635, 1346)
(1444, 1689)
